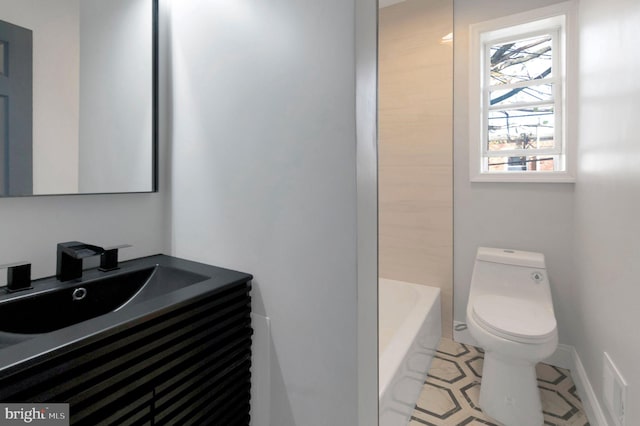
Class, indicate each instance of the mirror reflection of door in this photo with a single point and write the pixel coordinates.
(16, 110)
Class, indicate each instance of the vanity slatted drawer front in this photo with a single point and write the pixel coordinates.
(187, 366)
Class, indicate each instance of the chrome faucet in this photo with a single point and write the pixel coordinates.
(69, 257)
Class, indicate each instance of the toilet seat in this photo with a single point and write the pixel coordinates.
(514, 319)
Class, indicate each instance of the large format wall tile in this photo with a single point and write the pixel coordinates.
(415, 147)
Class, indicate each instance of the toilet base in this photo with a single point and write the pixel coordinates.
(509, 391)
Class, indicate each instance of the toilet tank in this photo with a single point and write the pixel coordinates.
(510, 273)
(511, 257)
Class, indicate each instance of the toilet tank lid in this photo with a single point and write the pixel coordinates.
(511, 257)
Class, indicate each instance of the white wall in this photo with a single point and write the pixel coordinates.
(116, 117)
(32, 226)
(534, 217)
(607, 205)
(264, 181)
(366, 32)
(55, 27)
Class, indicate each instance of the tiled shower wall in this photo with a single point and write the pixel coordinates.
(415, 146)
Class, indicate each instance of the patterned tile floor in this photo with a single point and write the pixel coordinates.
(452, 389)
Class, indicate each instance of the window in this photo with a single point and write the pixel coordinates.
(520, 105)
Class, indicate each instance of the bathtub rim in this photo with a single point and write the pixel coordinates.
(390, 360)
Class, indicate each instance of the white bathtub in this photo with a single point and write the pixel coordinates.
(410, 328)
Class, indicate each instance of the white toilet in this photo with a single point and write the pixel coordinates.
(510, 314)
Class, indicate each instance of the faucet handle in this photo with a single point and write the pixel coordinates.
(109, 259)
(18, 276)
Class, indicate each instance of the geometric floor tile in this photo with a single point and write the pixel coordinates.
(446, 370)
(452, 389)
(440, 401)
(475, 365)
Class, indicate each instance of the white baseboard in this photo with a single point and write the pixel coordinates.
(590, 403)
(260, 370)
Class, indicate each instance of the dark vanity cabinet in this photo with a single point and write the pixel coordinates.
(186, 364)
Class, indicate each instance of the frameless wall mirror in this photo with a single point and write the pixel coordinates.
(78, 96)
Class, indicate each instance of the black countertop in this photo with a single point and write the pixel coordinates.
(192, 281)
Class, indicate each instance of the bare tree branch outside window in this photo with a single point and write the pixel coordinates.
(521, 99)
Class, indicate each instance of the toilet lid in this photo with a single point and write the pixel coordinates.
(516, 319)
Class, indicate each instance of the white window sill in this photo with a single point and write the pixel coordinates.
(526, 177)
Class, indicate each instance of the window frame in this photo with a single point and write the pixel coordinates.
(561, 17)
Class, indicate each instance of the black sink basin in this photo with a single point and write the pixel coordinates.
(160, 340)
(57, 308)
